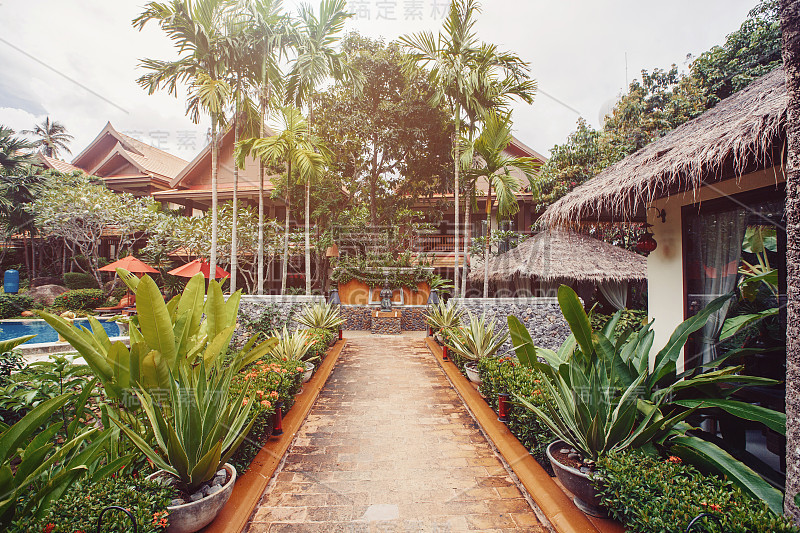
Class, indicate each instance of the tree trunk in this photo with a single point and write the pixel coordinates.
(212, 270)
(487, 243)
(285, 266)
(467, 239)
(261, 131)
(25, 254)
(456, 194)
(790, 27)
(308, 206)
(235, 216)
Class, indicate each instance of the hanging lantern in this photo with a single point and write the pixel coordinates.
(647, 243)
(503, 406)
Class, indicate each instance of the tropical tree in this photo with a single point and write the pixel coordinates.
(195, 28)
(495, 168)
(271, 34)
(469, 76)
(51, 137)
(790, 26)
(14, 151)
(17, 191)
(317, 60)
(298, 151)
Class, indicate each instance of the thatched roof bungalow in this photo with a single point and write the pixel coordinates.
(704, 187)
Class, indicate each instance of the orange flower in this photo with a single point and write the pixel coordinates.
(674, 459)
(273, 394)
(266, 404)
(244, 402)
(301, 369)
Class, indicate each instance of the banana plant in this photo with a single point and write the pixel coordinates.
(197, 427)
(42, 471)
(191, 328)
(622, 363)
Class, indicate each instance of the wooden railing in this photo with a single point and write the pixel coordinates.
(437, 243)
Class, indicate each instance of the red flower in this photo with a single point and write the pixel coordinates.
(49, 527)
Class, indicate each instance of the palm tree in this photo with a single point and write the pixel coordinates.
(52, 137)
(195, 28)
(271, 34)
(293, 147)
(495, 167)
(14, 152)
(316, 61)
(790, 28)
(461, 69)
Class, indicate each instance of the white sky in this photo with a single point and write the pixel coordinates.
(577, 50)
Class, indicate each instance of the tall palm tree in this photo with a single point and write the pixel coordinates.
(52, 137)
(495, 168)
(790, 28)
(461, 68)
(293, 147)
(272, 33)
(14, 151)
(195, 27)
(317, 60)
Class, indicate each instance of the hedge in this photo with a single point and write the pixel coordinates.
(12, 305)
(80, 300)
(79, 280)
(651, 494)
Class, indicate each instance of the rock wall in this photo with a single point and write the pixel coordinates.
(273, 310)
(359, 317)
(541, 316)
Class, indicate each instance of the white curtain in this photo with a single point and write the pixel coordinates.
(616, 292)
(720, 251)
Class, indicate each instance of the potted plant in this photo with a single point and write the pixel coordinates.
(322, 316)
(295, 347)
(475, 341)
(607, 395)
(197, 427)
(443, 315)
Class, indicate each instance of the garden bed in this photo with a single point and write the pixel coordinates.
(251, 485)
(556, 505)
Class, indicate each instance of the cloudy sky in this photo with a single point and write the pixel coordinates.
(76, 61)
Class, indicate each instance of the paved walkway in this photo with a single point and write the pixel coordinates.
(390, 447)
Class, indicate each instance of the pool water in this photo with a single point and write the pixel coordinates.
(10, 329)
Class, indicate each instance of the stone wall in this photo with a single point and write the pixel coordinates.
(359, 317)
(541, 316)
(281, 308)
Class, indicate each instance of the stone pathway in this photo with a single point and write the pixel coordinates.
(390, 447)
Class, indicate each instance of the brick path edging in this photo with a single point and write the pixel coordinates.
(251, 485)
(559, 509)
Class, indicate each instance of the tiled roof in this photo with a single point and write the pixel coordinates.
(57, 164)
(153, 159)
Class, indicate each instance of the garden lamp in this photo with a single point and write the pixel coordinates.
(433, 297)
(277, 424)
(503, 406)
(647, 243)
(444, 353)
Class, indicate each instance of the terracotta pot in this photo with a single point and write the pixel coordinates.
(471, 369)
(308, 373)
(585, 496)
(194, 516)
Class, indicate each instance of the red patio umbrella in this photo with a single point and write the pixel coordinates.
(131, 264)
(198, 265)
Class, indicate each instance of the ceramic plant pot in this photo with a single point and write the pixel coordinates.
(585, 496)
(194, 516)
(308, 373)
(471, 368)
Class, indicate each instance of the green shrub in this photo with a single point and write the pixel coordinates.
(271, 319)
(79, 508)
(12, 305)
(506, 375)
(649, 494)
(629, 319)
(79, 280)
(80, 299)
(320, 339)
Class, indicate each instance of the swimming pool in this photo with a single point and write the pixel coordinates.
(10, 329)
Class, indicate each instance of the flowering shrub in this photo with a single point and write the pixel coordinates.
(80, 300)
(319, 340)
(504, 374)
(78, 509)
(650, 494)
(269, 381)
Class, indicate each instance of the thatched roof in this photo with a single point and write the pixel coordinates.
(741, 130)
(556, 255)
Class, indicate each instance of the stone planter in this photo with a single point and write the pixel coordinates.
(123, 327)
(308, 373)
(471, 369)
(585, 496)
(194, 516)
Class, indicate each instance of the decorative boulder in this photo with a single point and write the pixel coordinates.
(46, 294)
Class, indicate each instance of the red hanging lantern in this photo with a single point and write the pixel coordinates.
(444, 353)
(647, 243)
(277, 426)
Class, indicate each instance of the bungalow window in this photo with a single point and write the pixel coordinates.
(738, 244)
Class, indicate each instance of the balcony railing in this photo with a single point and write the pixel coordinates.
(437, 243)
